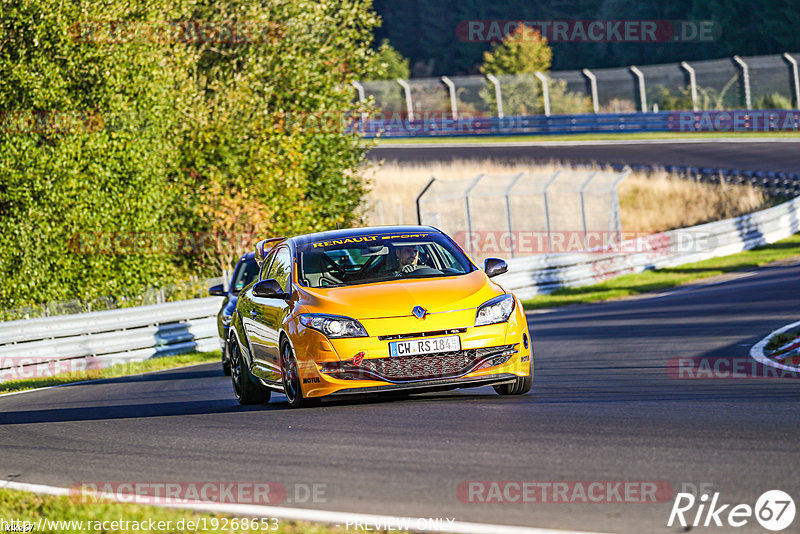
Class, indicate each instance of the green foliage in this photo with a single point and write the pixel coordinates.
(93, 175)
(670, 99)
(773, 101)
(514, 61)
(779, 340)
(522, 51)
(388, 64)
(563, 101)
(153, 134)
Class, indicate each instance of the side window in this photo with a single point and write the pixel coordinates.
(281, 269)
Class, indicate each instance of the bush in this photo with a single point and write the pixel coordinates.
(88, 146)
(522, 51)
(221, 138)
(388, 64)
(773, 101)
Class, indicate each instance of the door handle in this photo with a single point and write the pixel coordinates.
(253, 313)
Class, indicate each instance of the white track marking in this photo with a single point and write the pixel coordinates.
(302, 514)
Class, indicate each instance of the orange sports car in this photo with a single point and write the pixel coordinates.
(373, 310)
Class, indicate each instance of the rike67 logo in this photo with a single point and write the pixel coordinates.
(774, 510)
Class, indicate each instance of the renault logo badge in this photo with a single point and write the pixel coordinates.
(419, 312)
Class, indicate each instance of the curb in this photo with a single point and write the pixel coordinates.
(757, 351)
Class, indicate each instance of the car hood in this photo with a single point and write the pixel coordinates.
(397, 298)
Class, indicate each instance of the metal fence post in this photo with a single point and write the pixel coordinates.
(615, 222)
(593, 84)
(498, 94)
(692, 84)
(746, 78)
(795, 79)
(642, 92)
(362, 98)
(409, 103)
(547, 210)
(468, 241)
(452, 90)
(508, 211)
(545, 92)
(583, 187)
(419, 197)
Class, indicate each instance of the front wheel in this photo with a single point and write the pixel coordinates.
(244, 387)
(291, 379)
(520, 386)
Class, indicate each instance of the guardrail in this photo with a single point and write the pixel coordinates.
(528, 277)
(440, 125)
(43, 347)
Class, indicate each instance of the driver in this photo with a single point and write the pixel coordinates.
(407, 258)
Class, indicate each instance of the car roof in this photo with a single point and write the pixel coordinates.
(356, 232)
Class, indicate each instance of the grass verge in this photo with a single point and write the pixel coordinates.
(124, 369)
(23, 506)
(586, 137)
(779, 340)
(660, 279)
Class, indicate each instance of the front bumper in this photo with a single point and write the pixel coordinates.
(489, 355)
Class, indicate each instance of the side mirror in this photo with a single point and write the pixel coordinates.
(269, 289)
(217, 291)
(494, 266)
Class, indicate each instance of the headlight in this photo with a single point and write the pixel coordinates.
(333, 325)
(497, 310)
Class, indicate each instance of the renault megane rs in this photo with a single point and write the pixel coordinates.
(374, 310)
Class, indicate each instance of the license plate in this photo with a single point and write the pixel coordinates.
(430, 345)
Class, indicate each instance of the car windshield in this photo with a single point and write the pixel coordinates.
(378, 258)
(246, 273)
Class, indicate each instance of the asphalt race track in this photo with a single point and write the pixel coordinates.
(606, 406)
(745, 154)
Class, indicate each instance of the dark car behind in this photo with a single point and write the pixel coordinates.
(245, 272)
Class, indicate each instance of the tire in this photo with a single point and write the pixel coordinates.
(244, 385)
(226, 362)
(290, 377)
(520, 386)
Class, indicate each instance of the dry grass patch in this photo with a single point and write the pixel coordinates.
(648, 203)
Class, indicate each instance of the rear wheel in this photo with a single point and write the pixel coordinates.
(244, 386)
(290, 376)
(520, 386)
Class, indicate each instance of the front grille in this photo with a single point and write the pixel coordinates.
(421, 367)
(423, 334)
